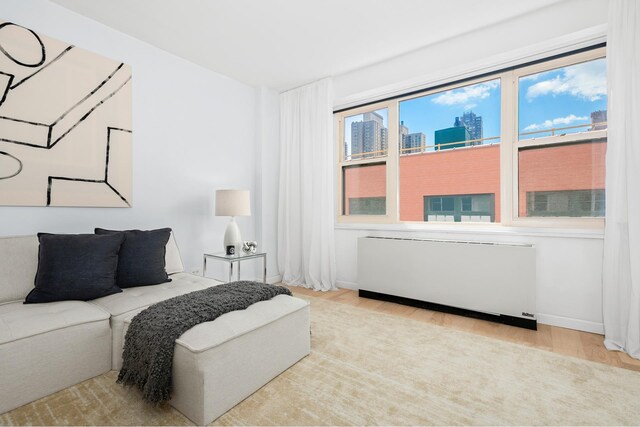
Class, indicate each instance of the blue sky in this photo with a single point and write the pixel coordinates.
(562, 97)
(557, 98)
(438, 111)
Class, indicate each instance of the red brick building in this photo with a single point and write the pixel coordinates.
(554, 178)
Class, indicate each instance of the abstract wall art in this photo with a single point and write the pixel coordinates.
(65, 124)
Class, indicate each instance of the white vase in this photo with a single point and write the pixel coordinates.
(232, 236)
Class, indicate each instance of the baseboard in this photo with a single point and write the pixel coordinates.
(272, 280)
(567, 322)
(346, 285)
(497, 318)
(545, 319)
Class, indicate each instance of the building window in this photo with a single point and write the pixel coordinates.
(572, 203)
(525, 146)
(460, 208)
(367, 205)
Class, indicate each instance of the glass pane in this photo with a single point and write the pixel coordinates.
(564, 100)
(366, 135)
(364, 189)
(562, 180)
(462, 117)
(460, 208)
(450, 155)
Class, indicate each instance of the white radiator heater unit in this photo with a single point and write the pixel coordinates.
(494, 281)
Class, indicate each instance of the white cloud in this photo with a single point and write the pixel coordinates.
(469, 106)
(467, 94)
(587, 80)
(530, 77)
(566, 120)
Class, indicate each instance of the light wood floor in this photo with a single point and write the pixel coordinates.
(558, 340)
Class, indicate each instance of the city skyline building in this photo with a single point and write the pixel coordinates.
(414, 143)
(403, 131)
(599, 120)
(369, 137)
(449, 136)
(473, 123)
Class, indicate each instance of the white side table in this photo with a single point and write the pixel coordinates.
(238, 258)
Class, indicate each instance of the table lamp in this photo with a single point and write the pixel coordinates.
(232, 203)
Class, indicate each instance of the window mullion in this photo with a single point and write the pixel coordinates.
(393, 167)
(508, 171)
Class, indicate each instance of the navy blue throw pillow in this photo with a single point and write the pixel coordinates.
(75, 267)
(142, 257)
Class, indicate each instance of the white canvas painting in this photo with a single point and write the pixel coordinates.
(65, 124)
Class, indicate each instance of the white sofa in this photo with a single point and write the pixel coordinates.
(48, 347)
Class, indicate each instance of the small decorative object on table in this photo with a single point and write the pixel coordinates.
(231, 250)
(249, 247)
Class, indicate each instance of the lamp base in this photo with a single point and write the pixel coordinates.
(232, 236)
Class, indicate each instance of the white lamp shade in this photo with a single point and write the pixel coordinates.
(233, 203)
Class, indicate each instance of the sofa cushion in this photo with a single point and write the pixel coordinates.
(19, 321)
(230, 325)
(75, 267)
(173, 261)
(142, 257)
(143, 296)
(18, 264)
(134, 300)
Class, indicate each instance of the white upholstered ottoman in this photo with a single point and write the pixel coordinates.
(218, 364)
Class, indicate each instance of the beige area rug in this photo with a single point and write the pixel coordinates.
(372, 368)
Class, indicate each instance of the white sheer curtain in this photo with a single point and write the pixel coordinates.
(621, 268)
(306, 252)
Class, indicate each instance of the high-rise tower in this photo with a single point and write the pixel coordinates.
(369, 137)
(473, 123)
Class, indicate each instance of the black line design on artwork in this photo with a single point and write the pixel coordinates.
(49, 63)
(118, 193)
(62, 178)
(43, 55)
(19, 165)
(24, 121)
(27, 122)
(102, 83)
(49, 143)
(94, 181)
(47, 89)
(8, 86)
(106, 98)
(106, 163)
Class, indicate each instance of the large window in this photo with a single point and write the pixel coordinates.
(562, 122)
(449, 145)
(364, 147)
(522, 146)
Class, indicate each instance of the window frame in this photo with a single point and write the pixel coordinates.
(510, 145)
(391, 215)
(578, 137)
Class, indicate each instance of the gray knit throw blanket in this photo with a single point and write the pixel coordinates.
(150, 340)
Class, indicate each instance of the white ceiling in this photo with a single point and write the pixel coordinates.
(282, 44)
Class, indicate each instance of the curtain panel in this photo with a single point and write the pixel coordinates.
(306, 252)
(621, 263)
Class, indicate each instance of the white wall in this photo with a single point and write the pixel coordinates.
(457, 55)
(194, 132)
(569, 263)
